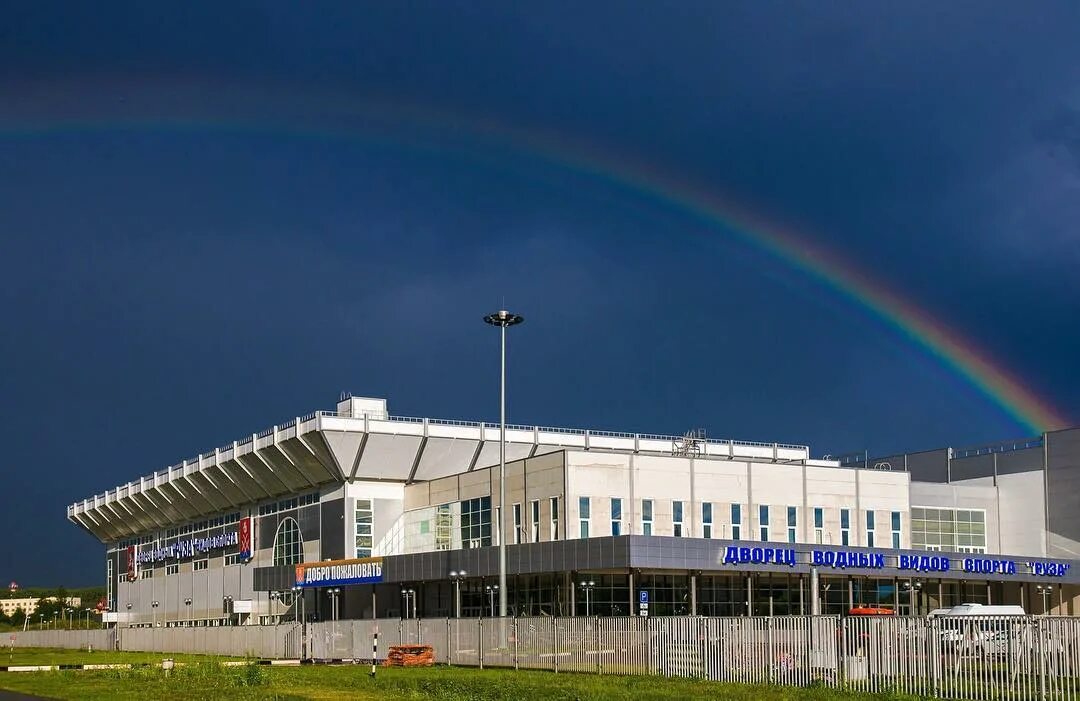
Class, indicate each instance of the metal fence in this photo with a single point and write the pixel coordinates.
(272, 642)
(982, 658)
(978, 657)
(96, 639)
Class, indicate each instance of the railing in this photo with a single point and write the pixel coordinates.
(165, 474)
(1005, 447)
(956, 657)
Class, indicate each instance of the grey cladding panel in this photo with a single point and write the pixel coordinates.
(931, 466)
(975, 466)
(267, 530)
(1015, 461)
(308, 519)
(1063, 490)
(332, 542)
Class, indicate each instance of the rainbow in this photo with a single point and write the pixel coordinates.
(918, 326)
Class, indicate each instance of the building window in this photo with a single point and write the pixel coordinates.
(677, 518)
(869, 529)
(959, 530)
(896, 529)
(845, 527)
(444, 527)
(763, 521)
(616, 516)
(365, 522)
(736, 521)
(792, 523)
(476, 522)
(109, 584)
(232, 559)
(173, 568)
(554, 518)
(288, 546)
(706, 520)
(517, 523)
(819, 525)
(646, 516)
(534, 506)
(584, 514)
(200, 565)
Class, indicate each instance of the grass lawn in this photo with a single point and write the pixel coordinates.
(205, 678)
(49, 656)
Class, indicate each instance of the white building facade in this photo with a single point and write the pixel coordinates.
(242, 534)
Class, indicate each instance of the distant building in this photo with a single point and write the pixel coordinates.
(595, 522)
(29, 604)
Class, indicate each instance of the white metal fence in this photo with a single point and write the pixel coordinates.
(273, 642)
(93, 638)
(979, 657)
(983, 658)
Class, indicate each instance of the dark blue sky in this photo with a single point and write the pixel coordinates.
(209, 224)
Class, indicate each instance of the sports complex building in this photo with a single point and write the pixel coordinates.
(355, 513)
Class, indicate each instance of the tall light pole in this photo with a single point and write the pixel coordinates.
(1044, 590)
(913, 588)
(298, 593)
(502, 319)
(587, 587)
(333, 593)
(456, 577)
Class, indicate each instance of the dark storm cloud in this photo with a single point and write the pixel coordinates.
(171, 289)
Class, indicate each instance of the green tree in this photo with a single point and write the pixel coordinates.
(18, 617)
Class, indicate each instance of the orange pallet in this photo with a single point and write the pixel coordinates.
(410, 656)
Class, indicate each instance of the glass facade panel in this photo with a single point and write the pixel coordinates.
(961, 530)
(288, 547)
(476, 522)
(721, 595)
(365, 520)
(669, 595)
(776, 595)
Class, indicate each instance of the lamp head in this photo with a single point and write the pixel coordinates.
(503, 318)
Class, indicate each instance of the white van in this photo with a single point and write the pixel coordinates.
(985, 610)
(962, 624)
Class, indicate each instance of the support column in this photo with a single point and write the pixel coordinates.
(815, 592)
(633, 594)
(693, 594)
(749, 595)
